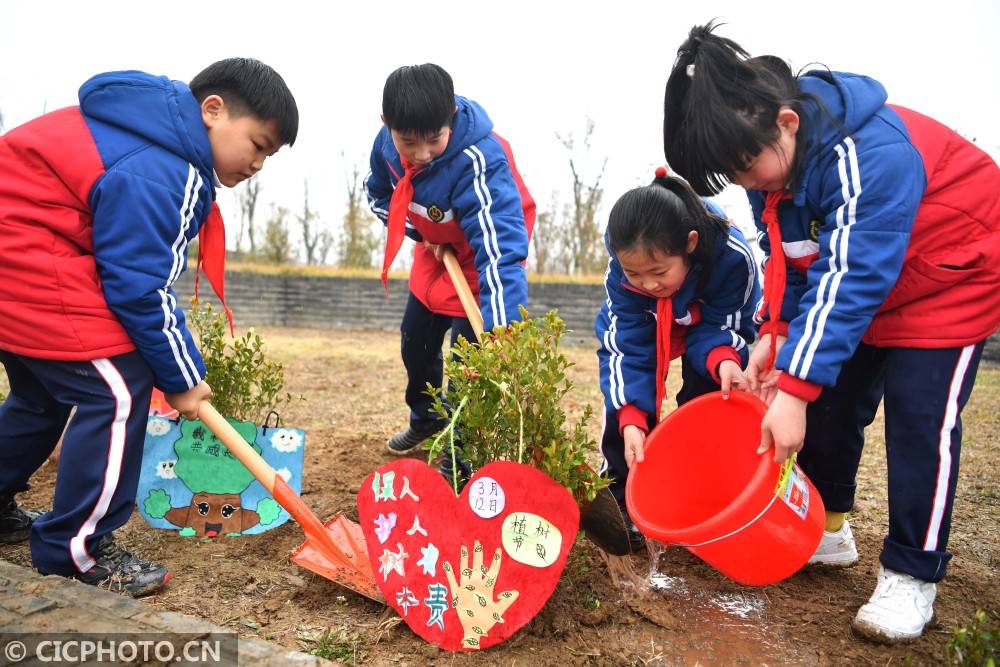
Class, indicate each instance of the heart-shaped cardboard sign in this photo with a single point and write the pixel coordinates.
(466, 572)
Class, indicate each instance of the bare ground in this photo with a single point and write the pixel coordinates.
(353, 382)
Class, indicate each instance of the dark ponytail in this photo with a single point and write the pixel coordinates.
(720, 109)
(659, 216)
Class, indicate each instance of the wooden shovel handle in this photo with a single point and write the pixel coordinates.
(239, 447)
(276, 486)
(464, 293)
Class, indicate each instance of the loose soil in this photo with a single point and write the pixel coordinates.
(689, 614)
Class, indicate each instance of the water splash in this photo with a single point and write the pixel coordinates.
(740, 605)
(623, 574)
(658, 581)
(733, 609)
(730, 624)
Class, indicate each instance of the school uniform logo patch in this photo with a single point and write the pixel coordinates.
(435, 213)
(814, 230)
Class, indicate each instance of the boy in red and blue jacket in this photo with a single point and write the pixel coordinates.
(441, 176)
(97, 206)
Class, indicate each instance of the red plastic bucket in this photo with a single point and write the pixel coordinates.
(703, 486)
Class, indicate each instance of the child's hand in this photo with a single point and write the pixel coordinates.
(731, 376)
(437, 249)
(188, 403)
(769, 386)
(784, 426)
(635, 443)
(758, 372)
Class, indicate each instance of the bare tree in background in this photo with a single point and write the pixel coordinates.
(548, 240)
(315, 239)
(276, 248)
(359, 239)
(247, 200)
(541, 241)
(584, 245)
(326, 243)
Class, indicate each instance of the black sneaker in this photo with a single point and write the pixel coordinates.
(636, 540)
(406, 441)
(464, 471)
(119, 571)
(15, 523)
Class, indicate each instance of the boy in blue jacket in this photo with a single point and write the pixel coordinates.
(97, 206)
(440, 175)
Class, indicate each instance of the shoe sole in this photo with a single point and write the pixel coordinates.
(14, 538)
(149, 588)
(836, 563)
(402, 452)
(878, 634)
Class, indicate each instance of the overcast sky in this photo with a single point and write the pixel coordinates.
(539, 68)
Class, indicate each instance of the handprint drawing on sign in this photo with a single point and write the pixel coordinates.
(472, 595)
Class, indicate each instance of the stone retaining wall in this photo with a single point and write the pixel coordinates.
(360, 303)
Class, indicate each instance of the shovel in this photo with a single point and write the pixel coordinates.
(337, 550)
(601, 519)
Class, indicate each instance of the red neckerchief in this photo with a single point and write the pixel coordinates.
(775, 272)
(664, 321)
(398, 206)
(212, 258)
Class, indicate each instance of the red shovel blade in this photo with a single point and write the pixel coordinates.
(335, 550)
(347, 536)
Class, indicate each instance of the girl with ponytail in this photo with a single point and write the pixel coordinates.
(681, 282)
(882, 234)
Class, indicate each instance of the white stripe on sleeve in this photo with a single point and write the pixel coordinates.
(377, 210)
(190, 194)
(850, 179)
(489, 235)
(616, 382)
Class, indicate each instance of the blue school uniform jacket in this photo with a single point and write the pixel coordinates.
(708, 326)
(892, 236)
(472, 198)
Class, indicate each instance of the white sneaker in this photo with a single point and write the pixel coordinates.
(899, 608)
(836, 549)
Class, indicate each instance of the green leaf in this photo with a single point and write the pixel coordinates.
(246, 384)
(510, 389)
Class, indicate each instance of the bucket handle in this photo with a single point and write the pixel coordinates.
(731, 533)
(783, 476)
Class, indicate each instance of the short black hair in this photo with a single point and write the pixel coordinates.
(418, 98)
(250, 87)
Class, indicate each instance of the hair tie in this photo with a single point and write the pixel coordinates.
(690, 70)
(661, 172)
